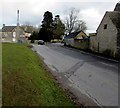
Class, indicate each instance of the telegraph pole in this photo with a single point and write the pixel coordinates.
(17, 17)
(17, 34)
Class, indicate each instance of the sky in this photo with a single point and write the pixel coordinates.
(32, 11)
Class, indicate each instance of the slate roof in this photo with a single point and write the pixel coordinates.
(73, 35)
(115, 15)
(117, 7)
(115, 18)
(8, 28)
(27, 29)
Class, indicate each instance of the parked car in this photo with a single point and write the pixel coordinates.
(41, 42)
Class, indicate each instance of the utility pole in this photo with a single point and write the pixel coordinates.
(17, 17)
(18, 34)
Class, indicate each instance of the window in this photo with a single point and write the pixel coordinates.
(14, 34)
(105, 26)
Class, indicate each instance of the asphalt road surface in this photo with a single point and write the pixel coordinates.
(93, 79)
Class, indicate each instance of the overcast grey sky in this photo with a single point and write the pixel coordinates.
(32, 11)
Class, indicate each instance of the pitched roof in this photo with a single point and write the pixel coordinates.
(73, 35)
(117, 7)
(8, 28)
(115, 18)
(28, 29)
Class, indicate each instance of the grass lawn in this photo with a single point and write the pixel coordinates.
(25, 82)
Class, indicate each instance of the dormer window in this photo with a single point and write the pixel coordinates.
(105, 26)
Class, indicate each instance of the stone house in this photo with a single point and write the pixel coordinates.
(16, 33)
(78, 40)
(107, 38)
(13, 34)
(81, 41)
(28, 29)
(69, 39)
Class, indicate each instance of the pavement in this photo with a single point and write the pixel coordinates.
(94, 80)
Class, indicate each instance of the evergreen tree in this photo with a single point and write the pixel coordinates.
(34, 36)
(59, 27)
(46, 32)
(47, 20)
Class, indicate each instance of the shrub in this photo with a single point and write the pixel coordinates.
(32, 41)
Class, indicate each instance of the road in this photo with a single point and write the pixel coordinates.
(93, 79)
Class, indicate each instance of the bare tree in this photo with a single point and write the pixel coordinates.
(72, 22)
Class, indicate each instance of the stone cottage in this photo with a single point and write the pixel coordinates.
(28, 29)
(69, 40)
(107, 38)
(77, 40)
(13, 34)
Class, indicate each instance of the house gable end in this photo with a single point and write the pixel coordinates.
(81, 35)
(102, 21)
(14, 30)
(107, 18)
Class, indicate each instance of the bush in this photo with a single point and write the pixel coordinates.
(32, 41)
(34, 36)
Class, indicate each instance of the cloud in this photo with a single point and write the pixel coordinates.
(29, 11)
(32, 10)
(92, 17)
(62, 0)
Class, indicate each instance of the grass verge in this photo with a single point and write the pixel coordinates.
(25, 82)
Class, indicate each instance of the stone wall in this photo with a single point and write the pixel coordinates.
(7, 37)
(118, 44)
(81, 44)
(94, 45)
(69, 42)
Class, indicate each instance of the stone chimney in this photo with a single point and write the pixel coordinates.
(117, 7)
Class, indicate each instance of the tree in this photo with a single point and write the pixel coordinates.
(72, 23)
(59, 27)
(46, 32)
(47, 20)
(34, 36)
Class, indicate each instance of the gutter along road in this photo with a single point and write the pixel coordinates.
(92, 79)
